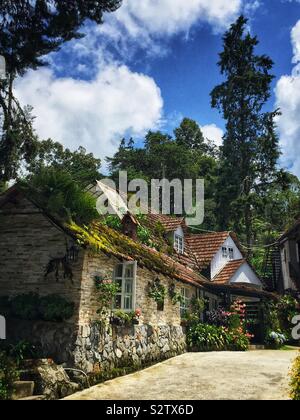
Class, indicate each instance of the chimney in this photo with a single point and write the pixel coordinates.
(129, 226)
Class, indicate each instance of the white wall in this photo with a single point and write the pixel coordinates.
(285, 259)
(219, 262)
(245, 274)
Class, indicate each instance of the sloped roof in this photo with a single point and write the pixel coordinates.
(295, 226)
(228, 271)
(111, 242)
(169, 223)
(205, 246)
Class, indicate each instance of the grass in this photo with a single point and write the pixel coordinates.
(289, 348)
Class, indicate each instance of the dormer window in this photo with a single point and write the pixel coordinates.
(231, 253)
(179, 244)
(224, 252)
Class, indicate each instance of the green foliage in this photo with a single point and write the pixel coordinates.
(57, 192)
(250, 151)
(55, 308)
(125, 318)
(203, 337)
(144, 235)
(32, 29)
(25, 306)
(113, 222)
(278, 317)
(157, 292)
(107, 290)
(8, 375)
(176, 297)
(191, 159)
(295, 380)
(83, 167)
(29, 307)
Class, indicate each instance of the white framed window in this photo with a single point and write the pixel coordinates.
(231, 253)
(179, 244)
(125, 277)
(224, 252)
(185, 302)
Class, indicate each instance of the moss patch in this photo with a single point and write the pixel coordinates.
(101, 238)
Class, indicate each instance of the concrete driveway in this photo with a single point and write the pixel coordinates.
(255, 375)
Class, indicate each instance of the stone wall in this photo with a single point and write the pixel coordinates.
(99, 350)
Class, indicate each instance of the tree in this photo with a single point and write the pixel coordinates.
(82, 166)
(250, 150)
(29, 30)
(189, 134)
(56, 191)
(165, 157)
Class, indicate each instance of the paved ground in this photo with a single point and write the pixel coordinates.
(256, 375)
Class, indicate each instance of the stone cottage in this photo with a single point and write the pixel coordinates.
(41, 255)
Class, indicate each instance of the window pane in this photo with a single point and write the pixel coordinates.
(129, 271)
(119, 283)
(128, 286)
(119, 270)
(127, 302)
(118, 302)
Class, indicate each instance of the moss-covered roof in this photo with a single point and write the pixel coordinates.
(104, 239)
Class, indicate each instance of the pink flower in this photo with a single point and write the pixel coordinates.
(138, 313)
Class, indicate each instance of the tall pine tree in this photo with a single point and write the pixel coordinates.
(250, 150)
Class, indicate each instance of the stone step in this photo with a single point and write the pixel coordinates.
(33, 398)
(23, 389)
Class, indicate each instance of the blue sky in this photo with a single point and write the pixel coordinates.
(154, 62)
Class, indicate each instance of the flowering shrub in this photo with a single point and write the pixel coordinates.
(275, 339)
(218, 317)
(295, 380)
(278, 318)
(225, 330)
(203, 337)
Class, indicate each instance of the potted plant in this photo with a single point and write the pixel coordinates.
(157, 292)
(136, 317)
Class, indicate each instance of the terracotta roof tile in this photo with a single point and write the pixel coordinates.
(228, 271)
(205, 246)
(169, 223)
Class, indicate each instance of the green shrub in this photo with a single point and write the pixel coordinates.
(5, 307)
(25, 307)
(278, 317)
(8, 375)
(203, 337)
(55, 308)
(31, 307)
(295, 380)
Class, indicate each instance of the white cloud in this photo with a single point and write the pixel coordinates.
(94, 114)
(115, 101)
(213, 133)
(166, 17)
(148, 24)
(288, 100)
